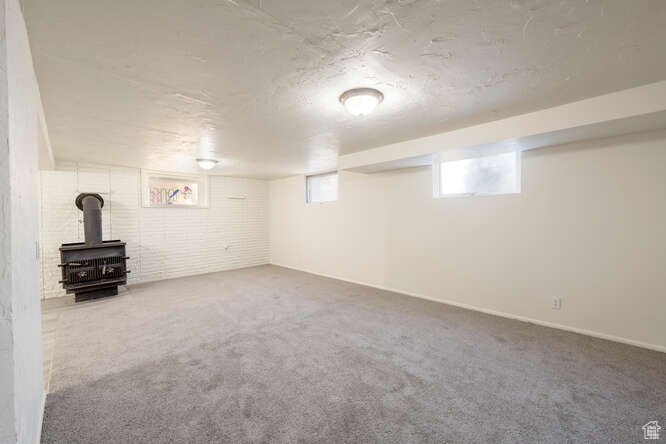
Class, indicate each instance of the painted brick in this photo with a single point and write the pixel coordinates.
(162, 243)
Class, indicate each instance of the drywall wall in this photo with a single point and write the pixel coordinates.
(162, 243)
(343, 238)
(21, 377)
(7, 421)
(588, 227)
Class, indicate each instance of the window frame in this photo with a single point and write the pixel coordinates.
(437, 175)
(308, 200)
(202, 181)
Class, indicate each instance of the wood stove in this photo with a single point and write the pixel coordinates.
(94, 268)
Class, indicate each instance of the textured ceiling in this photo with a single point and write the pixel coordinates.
(141, 83)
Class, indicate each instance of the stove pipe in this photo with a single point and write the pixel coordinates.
(91, 204)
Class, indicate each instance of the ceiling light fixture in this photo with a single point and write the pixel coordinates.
(206, 164)
(361, 101)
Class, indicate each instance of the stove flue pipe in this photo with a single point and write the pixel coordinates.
(91, 204)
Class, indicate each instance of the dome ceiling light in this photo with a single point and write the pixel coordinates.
(206, 164)
(361, 101)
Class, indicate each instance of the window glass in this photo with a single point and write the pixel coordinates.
(322, 188)
(496, 174)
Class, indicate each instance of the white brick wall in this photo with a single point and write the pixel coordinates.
(162, 242)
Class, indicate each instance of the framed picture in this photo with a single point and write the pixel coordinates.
(169, 190)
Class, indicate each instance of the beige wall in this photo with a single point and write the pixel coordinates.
(21, 380)
(589, 227)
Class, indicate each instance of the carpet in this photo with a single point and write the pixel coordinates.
(268, 354)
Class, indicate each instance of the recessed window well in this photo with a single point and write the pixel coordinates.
(321, 188)
(483, 175)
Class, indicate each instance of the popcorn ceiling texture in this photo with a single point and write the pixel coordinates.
(161, 242)
(263, 76)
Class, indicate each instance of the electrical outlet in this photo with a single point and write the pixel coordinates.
(557, 304)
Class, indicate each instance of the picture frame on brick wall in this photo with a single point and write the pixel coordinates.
(171, 190)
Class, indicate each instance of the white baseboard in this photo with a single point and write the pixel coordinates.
(655, 347)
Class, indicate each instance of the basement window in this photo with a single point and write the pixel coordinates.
(483, 175)
(321, 188)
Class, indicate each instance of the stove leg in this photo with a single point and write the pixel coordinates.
(97, 293)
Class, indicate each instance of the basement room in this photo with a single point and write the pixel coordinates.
(352, 221)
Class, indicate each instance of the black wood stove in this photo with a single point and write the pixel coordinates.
(94, 268)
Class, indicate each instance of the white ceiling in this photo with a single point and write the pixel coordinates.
(138, 83)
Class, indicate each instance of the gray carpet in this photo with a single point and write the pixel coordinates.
(268, 354)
